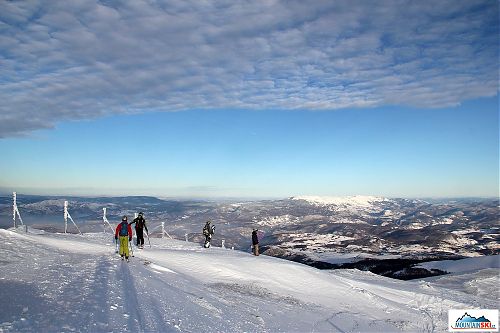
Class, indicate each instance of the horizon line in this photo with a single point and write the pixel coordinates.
(218, 198)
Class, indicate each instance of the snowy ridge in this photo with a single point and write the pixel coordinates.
(357, 201)
(63, 282)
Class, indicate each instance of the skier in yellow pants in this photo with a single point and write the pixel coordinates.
(124, 231)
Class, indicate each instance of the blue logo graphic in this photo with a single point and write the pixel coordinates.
(469, 322)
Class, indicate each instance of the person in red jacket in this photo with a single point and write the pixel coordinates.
(124, 231)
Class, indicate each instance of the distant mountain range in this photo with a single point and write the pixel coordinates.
(326, 232)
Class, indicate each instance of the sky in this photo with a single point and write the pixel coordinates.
(250, 99)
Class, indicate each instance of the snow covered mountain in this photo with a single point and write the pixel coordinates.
(63, 282)
(343, 203)
(321, 231)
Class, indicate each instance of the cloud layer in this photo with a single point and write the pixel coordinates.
(67, 60)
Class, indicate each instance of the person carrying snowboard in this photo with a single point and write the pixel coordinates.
(255, 242)
(124, 233)
(208, 231)
(140, 225)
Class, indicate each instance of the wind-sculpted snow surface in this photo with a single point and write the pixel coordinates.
(58, 282)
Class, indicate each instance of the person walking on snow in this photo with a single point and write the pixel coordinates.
(140, 224)
(208, 232)
(255, 242)
(124, 232)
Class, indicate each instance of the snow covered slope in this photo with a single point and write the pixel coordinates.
(58, 282)
(464, 265)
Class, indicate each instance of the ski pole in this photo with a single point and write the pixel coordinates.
(116, 245)
(131, 249)
(148, 239)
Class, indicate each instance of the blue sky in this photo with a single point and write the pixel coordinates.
(259, 99)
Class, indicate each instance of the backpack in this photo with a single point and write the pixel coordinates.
(124, 229)
(140, 223)
(208, 230)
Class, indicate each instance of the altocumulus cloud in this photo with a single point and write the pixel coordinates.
(64, 60)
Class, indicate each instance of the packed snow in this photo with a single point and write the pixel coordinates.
(64, 282)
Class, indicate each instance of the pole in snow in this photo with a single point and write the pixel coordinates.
(15, 210)
(164, 232)
(105, 220)
(66, 216)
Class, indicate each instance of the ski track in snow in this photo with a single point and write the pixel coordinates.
(58, 282)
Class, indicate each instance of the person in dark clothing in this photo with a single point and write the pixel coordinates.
(140, 225)
(255, 242)
(208, 231)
